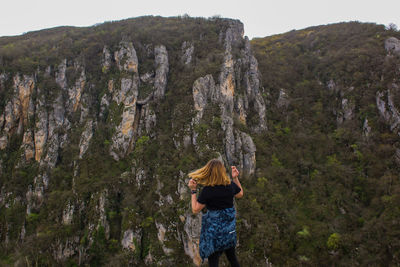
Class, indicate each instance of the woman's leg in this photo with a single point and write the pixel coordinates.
(231, 255)
(213, 260)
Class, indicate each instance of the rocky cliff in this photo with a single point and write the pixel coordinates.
(100, 126)
(53, 115)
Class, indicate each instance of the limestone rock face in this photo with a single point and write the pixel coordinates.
(246, 150)
(392, 45)
(61, 76)
(252, 85)
(162, 68)
(84, 108)
(41, 124)
(234, 33)
(18, 110)
(122, 139)
(102, 213)
(64, 250)
(283, 100)
(105, 100)
(56, 121)
(161, 231)
(106, 61)
(191, 237)
(68, 214)
(131, 240)
(2, 121)
(204, 91)
(75, 92)
(148, 121)
(85, 138)
(346, 111)
(239, 147)
(34, 197)
(28, 146)
(387, 109)
(187, 52)
(366, 128)
(397, 156)
(126, 58)
(148, 77)
(127, 95)
(24, 88)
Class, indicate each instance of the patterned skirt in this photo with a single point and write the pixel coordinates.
(218, 231)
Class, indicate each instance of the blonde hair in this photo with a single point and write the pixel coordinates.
(213, 173)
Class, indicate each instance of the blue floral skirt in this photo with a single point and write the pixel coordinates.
(218, 231)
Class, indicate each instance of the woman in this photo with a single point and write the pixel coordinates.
(218, 226)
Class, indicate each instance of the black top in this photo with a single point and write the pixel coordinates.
(218, 197)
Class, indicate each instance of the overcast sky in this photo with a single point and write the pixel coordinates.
(260, 17)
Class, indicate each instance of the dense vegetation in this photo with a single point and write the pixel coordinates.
(323, 192)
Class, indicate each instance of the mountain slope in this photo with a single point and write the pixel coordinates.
(100, 126)
(333, 144)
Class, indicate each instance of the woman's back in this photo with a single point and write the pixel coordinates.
(218, 197)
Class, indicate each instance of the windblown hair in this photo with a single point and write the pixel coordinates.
(213, 173)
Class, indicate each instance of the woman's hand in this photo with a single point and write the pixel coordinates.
(235, 172)
(192, 184)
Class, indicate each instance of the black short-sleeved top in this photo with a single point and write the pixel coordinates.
(218, 197)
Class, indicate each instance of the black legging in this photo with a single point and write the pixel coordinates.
(230, 254)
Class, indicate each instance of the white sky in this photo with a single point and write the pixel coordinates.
(260, 17)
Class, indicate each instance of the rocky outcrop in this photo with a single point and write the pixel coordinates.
(187, 52)
(366, 128)
(131, 240)
(61, 74)
(68, 214)
(392, 45)
(204, 91)
(397, 156)
(63, 250)
(346, 111)
(50, 135)
(122, 140)
(106, 61)
(191, 237)
(253, 95)
(18, 110)
(75, 92)
(41, 125)
(137, 117)
(126, 58)
(233, 35)
(23, 104)
(100, 208)
(148, 77)
(387, 109)
(34, 197)
(239, 150)
(245, 153)
(28, 147)
(105, 100)
(86, 136)
(162, 68)
(283, 100)
(147, 121)
(161, 231)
